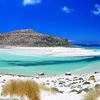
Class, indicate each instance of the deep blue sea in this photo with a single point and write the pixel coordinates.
(28, 65)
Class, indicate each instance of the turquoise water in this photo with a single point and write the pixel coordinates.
(15, 64)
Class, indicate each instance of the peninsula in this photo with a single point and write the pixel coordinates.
(30, 38)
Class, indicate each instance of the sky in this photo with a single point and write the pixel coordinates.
(76, 20)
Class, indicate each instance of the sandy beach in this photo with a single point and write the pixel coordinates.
(53, 51)
(50, 50)
(57, 52)
(71, 87)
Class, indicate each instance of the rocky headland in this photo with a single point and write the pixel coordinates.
(31, 38)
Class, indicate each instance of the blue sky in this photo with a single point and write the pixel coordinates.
(77, 20)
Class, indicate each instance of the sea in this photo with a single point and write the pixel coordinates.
(50, 65)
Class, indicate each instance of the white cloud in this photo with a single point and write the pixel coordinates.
(67, 9)
(31, 2)
(97, 11)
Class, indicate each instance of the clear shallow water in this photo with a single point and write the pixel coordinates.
(16, 64)
(91, 47)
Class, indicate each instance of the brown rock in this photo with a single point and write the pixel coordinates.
(92, 78)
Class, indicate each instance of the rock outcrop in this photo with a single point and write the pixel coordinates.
(31, 38)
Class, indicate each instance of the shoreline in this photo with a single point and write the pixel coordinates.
(71, 85)
(50, 51)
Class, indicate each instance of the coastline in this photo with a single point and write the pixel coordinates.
(72, 86)
(51, 51)
(57, 52)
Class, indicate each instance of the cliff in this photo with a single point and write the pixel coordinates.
(31, 38)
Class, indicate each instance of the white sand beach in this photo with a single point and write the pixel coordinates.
(71, 87)
(53, 51)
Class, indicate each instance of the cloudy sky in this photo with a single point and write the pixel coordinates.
(77, 20)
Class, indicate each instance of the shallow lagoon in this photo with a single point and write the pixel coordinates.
(17, 64)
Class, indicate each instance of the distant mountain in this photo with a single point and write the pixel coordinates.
(31, 38)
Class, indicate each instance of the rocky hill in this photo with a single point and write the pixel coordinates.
(31, 38)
